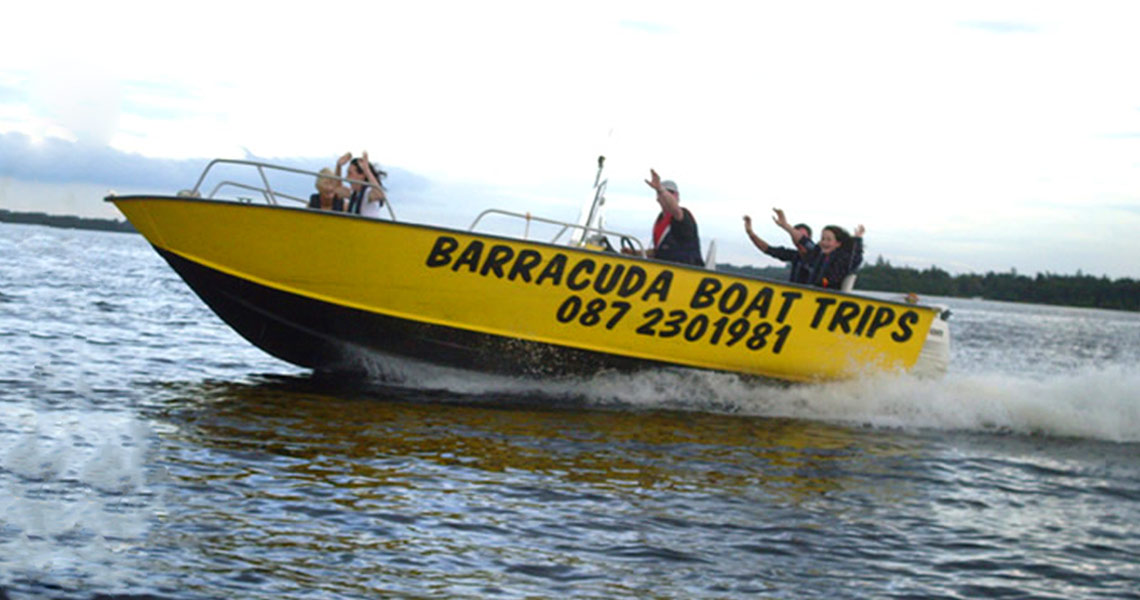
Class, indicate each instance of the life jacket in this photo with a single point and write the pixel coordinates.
(357, 200)
(677, 241)
(337, 204)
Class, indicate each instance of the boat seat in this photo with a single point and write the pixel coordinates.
(710, 257)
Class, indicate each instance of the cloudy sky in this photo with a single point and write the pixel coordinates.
(975, 136)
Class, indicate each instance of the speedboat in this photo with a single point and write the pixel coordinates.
(327, 290)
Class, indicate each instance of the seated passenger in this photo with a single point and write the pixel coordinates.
(330, 193)
(800, 269)
(837, 254)
(365, 200)
(840, 254)
(675, 236)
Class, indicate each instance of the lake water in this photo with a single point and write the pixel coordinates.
(148, 451)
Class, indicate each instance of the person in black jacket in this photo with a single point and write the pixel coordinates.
(800, 269)
(675, 235)
(837, 254)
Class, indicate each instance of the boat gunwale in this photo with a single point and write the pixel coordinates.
(324, 213)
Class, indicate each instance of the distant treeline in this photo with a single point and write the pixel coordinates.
(1044, 288)
(65, 221)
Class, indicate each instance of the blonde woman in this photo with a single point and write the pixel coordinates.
(330, 193)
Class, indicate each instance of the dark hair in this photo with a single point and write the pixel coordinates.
(805, 227)
(376, 172)
(840, 234)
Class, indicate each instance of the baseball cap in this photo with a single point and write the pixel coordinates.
(669, 185)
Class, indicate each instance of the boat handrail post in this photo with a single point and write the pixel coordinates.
(202, 177)
(558, 236)
(478, 217)
(268, 192)
(388, 204)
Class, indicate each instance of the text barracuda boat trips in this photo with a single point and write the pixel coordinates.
(328, 290)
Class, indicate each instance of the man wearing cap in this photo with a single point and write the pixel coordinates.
(675, 236)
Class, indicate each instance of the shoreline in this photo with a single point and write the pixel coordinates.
(66, 221)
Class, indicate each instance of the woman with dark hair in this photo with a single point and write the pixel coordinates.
(837, 255)
(367, 192)
(840, 254)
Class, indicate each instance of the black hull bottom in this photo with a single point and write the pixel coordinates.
(329, 337)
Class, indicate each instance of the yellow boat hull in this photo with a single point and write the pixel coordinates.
(316, 288)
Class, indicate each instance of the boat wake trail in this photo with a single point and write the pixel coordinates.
(1093, 403)
(1099, 404)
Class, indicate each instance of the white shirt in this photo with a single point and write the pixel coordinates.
(370, 208)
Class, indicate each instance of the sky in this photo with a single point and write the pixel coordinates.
(971, 136)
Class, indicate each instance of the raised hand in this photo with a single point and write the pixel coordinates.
(780, 219)
(654, 181)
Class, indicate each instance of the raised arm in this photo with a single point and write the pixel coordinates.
(857, 247)
(375, 192)
(756, 240)
(669, 203)
(340, 162)
(782, 222)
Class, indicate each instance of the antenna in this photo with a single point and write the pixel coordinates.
(593, 216)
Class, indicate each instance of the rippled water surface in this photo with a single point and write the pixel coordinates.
(148, 451)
